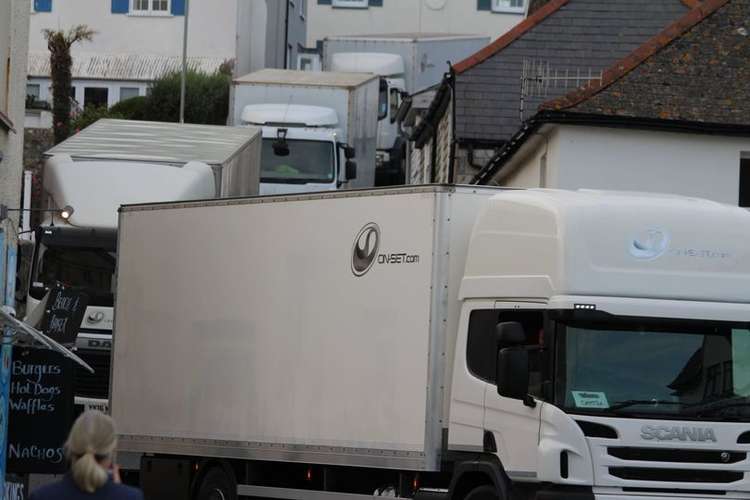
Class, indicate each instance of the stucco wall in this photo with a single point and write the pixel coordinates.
(407, 16)
(698, 165)
(212, 29)
(16, 32)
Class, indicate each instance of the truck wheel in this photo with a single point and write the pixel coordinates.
(485, 492)
(217, 485)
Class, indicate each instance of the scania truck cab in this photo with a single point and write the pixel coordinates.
(604, 348)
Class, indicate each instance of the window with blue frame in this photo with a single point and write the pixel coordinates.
(149, 7)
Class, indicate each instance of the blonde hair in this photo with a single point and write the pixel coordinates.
(91, 440)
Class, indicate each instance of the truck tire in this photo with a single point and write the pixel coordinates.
(217, 485)
(484, 492)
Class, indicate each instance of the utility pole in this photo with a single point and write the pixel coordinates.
(184, 62)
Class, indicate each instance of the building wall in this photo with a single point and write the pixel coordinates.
(407, 16)
(420, 164)
(14, 37)
(211, 29)
(704, 166)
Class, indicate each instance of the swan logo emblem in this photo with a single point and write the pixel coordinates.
(649, 245)
(365, 249)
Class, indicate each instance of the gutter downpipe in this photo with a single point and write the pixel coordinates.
(452, 158)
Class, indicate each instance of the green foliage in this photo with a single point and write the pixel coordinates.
(59, 43)
(206, 98)
(131, 109)
(91, 114)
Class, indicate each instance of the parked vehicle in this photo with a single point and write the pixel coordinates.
(110, 163)
(406, 64)
(436, 342)
(314, 124)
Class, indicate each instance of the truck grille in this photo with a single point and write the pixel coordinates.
(677, 455)
(675, 475)
(92, 385)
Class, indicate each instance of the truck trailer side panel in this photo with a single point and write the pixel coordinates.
(231, 351)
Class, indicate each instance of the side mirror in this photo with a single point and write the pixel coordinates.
(351, 170)
(349, 152)
(512, 368)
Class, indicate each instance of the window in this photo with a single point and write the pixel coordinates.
(128, 92)
(351, 4)
(383, 100)
(481, 348)
(153, 7)
(745, 182)
(32, 91)
(95, 97)
(302, 9)
(509, 5)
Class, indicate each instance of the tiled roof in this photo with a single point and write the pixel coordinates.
(692, 77)
(572, 35)
(696, 70)
(129, 67)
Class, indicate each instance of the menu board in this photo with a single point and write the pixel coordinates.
(41, 411)
(65, 310)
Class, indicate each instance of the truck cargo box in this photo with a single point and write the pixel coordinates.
(312, 328)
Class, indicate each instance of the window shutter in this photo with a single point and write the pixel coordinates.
(484, 4)
(376, 3)
(324, 2)
(178, 7)
(43, 5)
(120, 6)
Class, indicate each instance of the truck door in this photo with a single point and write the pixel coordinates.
(514, 425)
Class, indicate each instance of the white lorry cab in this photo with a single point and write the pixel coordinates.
(406, 64)
(436, 342)
(319, 129)
(301, 158)
(92, 173)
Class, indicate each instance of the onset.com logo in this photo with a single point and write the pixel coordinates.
(365, 249)
(649, 244)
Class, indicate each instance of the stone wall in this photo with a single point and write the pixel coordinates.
(36, 142)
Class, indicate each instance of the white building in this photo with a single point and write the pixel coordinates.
(137, 41)
(368, 17)
(14, 35)
(661, 120)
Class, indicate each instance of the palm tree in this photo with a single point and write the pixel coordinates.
(59, 43)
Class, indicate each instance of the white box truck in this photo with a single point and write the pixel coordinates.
(436, 342)
(406, 63)
(314, 125)
(107, 164)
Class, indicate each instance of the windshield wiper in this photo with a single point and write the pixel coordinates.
(719, 406)
(633, 402)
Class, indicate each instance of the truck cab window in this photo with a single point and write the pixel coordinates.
(383, 100)
(481, 351)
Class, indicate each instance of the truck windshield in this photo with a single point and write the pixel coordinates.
(80, 260)
(307, 162)
(682, 369)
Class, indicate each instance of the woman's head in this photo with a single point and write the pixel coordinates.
(89, 448)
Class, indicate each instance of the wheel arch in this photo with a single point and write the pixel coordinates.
(470, 474)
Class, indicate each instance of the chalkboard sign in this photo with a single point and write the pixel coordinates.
(16, 487)
(41, 411)
(64, 312)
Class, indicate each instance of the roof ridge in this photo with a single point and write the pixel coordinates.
(509, 37)
(651, 47)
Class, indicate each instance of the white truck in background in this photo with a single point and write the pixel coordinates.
(315, 125)
(435, 342)
(110, 163)
(406, 63)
